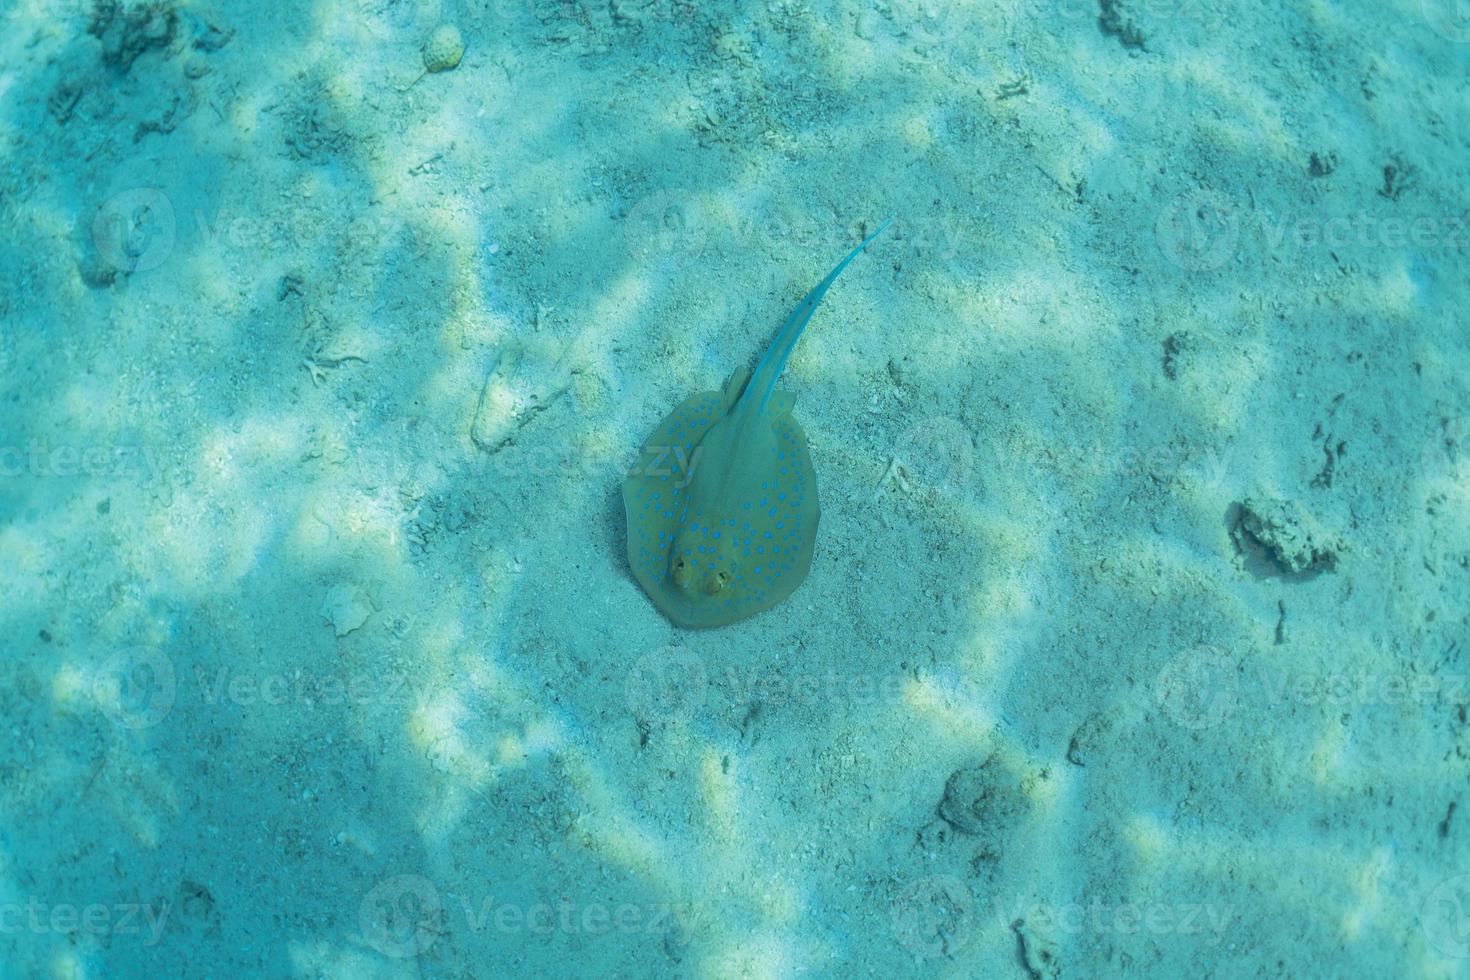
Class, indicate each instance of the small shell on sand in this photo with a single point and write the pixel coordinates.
(345, 608)
(443, 49)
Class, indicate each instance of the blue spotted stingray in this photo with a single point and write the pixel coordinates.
(722, 502)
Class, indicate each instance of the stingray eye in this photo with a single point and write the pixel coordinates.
(717, 582)
(682, 572)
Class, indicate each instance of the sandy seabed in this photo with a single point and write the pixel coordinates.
(1136, 638)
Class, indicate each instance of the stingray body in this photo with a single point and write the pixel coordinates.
(722, 502)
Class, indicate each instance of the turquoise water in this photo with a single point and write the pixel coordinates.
(1134, 640)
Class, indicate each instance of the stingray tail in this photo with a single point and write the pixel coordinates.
(773, 361)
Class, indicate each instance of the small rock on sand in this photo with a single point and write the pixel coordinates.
(443, 49)
(1283, 532)
(986, 799)
(345, 608)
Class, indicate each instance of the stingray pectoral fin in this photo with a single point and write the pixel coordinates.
(780, 405)
(657, 486)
